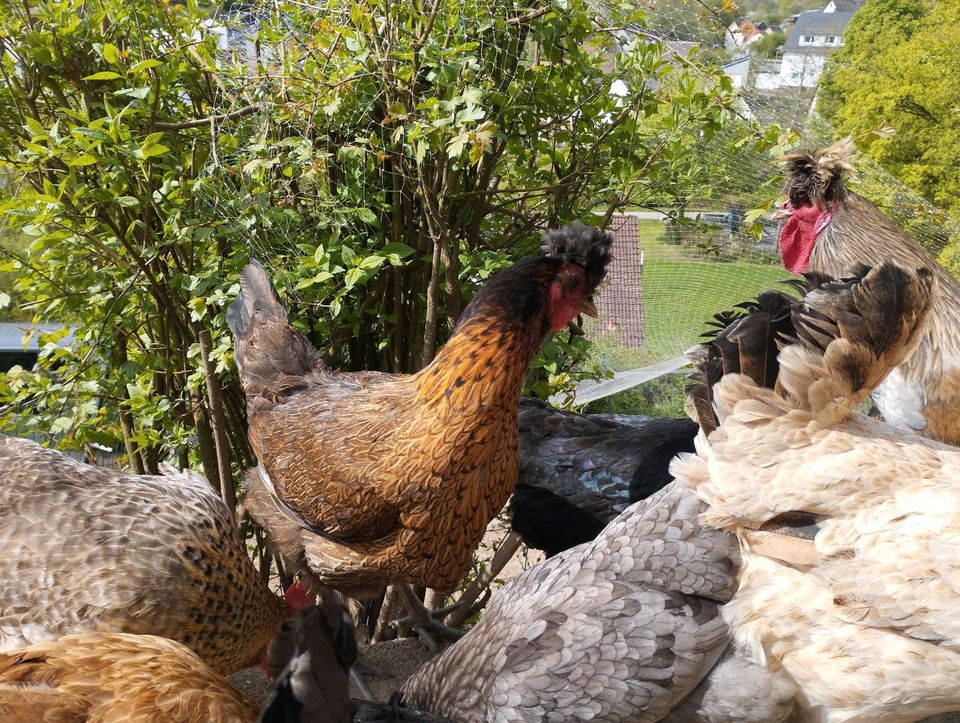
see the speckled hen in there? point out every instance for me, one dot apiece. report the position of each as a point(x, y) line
point(87, 548)
point(373, 478)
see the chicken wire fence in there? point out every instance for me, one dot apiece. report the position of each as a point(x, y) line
point(676, 261)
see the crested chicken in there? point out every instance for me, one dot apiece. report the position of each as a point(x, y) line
point(850, 527)
point(372, 478)
point(90, 549)
point(579, 471)
point(831, 228)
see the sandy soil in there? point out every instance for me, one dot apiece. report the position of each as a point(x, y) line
point(395, 660)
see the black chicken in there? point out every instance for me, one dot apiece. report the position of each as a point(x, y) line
point(579, 471)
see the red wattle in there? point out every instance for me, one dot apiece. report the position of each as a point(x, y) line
point(799, 234)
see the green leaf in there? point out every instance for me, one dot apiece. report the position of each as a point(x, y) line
point(352, 277)
point(348, 255)
point(104, 75)
point(372, 262)
point(459, 142)
point(4, 300)
point(85, 159)
point(61, 425)
point(399, 249)
point(149, 151)
point(366, 215)
point(128, 201)
point(138, 93)
point(397, 110)
point(110, 53)
point(144, 65)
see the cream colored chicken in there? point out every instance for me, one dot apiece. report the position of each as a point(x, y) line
point(850, 528)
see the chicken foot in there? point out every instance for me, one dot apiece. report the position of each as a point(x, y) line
point(423, 621)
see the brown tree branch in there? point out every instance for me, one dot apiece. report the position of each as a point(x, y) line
point(198, 122)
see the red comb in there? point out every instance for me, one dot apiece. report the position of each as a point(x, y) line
point(299, 595)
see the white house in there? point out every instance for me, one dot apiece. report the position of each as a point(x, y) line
point(815, 35)
point(743, 33)
point(738, 69)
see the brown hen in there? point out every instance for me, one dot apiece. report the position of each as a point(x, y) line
point(91, 549)
point(374, 478)
point(830, 230)
point(113, 677)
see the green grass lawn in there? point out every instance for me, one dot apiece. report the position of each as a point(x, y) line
point(679, 297)
point(681, 292)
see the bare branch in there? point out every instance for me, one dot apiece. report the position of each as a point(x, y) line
point(197, 122)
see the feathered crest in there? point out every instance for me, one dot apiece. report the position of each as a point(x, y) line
point(817, 179)
point(582, 245)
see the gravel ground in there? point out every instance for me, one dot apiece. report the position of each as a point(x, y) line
point(397, 660)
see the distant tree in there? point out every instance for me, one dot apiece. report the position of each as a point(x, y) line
point(769, 45)
point(894, 86)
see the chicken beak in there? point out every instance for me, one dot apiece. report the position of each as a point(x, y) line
point(785, 211)
point(588, 307)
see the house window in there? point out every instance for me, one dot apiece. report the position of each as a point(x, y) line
point(831, 40)
point(808, 40)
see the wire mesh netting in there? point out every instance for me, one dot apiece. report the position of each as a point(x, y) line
point(680, 256)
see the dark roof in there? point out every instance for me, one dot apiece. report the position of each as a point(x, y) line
point(817, 22)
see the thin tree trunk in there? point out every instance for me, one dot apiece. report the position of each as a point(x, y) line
point(433, 599)
point(387, 609)
point(205, 440)
point(126, 419)
point(505, 552)
point(433, 304)
point(219, 423)
point(451, 286)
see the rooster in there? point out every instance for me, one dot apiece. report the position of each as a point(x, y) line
point(87, 548)
point(579, 471)
point(850, 527)
point(372, 478)
point(831, 228)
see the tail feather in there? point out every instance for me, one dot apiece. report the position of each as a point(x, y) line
point(271, 355)
point(860, 328)
point(817, 179)
point(835, 345)
point(747, 343)
point(707, 371)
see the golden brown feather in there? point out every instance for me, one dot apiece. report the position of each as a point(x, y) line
point(373, 478)
point(113, 677)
